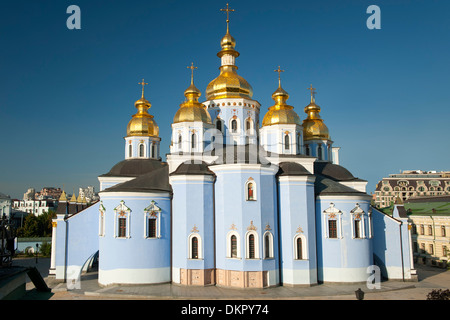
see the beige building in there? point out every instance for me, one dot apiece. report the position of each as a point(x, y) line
point(411, 184)
point(430, 218)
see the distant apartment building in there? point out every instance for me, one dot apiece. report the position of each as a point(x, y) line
point(36, 207)
point(411, 184)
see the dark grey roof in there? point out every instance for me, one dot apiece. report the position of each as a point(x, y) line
point(249, 153)
point(402, 212)
point(324, 185)
point(333, 171)
point(193, 168)
point(134, 167)
point(157, 180)
point(292, 169)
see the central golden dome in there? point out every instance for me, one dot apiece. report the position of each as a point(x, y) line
point(281, 113)
point(142, 123)
point(228, 84)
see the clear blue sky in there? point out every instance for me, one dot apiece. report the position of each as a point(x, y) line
point(66, 96)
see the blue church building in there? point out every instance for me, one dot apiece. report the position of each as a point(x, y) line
point(236, 203)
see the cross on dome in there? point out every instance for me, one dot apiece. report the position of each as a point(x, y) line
point(143, 84)
point(313, 92)
point(279, 75)
point(192, 72)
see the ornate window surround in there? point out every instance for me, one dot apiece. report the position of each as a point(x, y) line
point(152, 212)
point(119, 212)
point(357, 215)
point(199, 249)
point(332, 213)
point(238, 246)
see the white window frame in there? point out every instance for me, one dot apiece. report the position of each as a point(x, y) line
point(254, 190)
point(200, 246)
point(332, 211)
point(122, 208)
point(247, 245)
point(270, 236)
point(238, 244)
point(354, 213)
point(304, 247)
point(152, 212)
point(102, 220)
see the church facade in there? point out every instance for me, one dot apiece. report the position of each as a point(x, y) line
point(237, 203)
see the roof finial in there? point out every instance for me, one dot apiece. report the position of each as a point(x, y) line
point(228, 10)
point(143, 84)
point(313, 93)
point(192, 71)
point(279, 75)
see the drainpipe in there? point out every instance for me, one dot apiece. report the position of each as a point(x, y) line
point(401, 251)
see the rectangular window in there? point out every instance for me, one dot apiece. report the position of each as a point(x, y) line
point(152, 228)
point(430, 230)
point(332, 229)
point(122, 227)
point(443, 233)
point(357, 229)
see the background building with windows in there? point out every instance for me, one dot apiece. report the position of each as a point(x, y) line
point(409, 184)
point(235, 204)
point(430, 219)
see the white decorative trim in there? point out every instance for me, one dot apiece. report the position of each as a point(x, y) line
point(102, 220)
point(247, 244)
point(358, 213)
point(304, 247)
point(238, 244)
point(123, 210)
point(270, 235)
point(200, 246)
point(152, 212)
point(332, 213)
point(254, 188)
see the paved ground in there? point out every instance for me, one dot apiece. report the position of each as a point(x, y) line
point(429, 278)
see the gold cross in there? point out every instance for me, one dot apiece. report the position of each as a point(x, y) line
point(227, 10)
point(143, 84)
point(192, 72)
point(279, 75)
point(313, 91)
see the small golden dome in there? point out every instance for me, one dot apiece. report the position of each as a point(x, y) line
point(313, 126)
point(191, 110)
point(142, 123)
point(281, 113)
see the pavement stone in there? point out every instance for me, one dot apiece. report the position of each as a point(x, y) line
point(429, 278)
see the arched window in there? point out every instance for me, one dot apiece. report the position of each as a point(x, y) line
point(152, 226)
point(130, 151)
point(286, 142)
point(233, 245)
point(250, 190)
point(299, 251)
point(357, 215)
point(319, 152)
point(153, 150)
point(141, 150)
point(194, 246)
point(268, 245)
point(180, 140)
point(193, 141)
point(251, 246)
point(307, 151)
point(234, 126)
point(219, 125)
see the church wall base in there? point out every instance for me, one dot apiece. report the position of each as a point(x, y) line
point(134, 276)
point(243, 279)
point(197, 277)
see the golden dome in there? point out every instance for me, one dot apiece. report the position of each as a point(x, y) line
point(313, 126)
point(281, 113)
point(142, 123)
point(228, 84)
point(191, 110)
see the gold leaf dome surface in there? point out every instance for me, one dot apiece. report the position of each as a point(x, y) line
point(191, 110)
point(313, 126)
point(281, 113)
point(142, 123)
